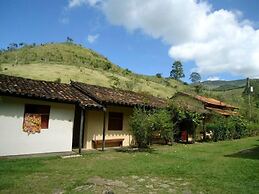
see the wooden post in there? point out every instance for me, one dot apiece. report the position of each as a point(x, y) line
point(203, 128)
point(82, 115)
point(104, 128)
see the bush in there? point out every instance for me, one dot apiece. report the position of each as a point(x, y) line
point(228, 128)
point(162, 123)
point(145, 123)
point(158, 75)
point(140, 127)
point(126, 72)
point(107, 66)
point(253, 129)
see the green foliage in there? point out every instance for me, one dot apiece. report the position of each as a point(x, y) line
point(107, 66)
point(127, 72)
point(177, 71)
point(145, 123)
point(252, 129)
point(158, 75)
point(185, 115)
point(195, 77)
point(227, 128)
point(140, 127)
point(198, 88)
point(69, 40)
point(162, 123)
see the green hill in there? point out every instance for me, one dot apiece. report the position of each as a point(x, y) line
point(67, 61)
point(224, 85)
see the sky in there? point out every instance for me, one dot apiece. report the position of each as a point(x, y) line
point(217, 38)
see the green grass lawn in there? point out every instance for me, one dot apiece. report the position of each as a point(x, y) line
point(222, 167)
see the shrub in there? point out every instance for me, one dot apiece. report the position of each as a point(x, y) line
point(162, 123)
point(252, 129)
point(145, 123)
point(158, 75)
point(107, 66)
point(140, 127)
point(227, 128)
point(126, 72)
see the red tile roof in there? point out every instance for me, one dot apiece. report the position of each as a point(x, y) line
point(84, 94)
point(209, 101)
point(222, 111)
point(22, 87)
point(106, 95)
point(212, 104)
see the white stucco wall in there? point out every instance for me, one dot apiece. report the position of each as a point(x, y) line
point(13, 141)
point(94, 126)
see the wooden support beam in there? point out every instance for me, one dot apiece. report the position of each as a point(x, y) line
point(82, 118)
point(104, 128)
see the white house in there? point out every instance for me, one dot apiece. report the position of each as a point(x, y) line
point(43, 117)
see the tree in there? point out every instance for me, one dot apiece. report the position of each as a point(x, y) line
point(177, 70)
point(159, 75)
point(69, 40)
point(195, 77)
point(12, 46)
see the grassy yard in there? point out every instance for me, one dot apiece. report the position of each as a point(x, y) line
point(223, 167)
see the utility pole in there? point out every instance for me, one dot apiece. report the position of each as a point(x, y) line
point(250, 90)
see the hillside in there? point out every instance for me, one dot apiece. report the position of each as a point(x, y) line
point(224, 85)
point(67, 61)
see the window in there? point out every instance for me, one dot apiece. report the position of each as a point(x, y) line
point(36, 117)
point(115, 121)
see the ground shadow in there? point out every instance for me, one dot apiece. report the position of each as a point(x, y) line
point(134, 150)
point(251, 153)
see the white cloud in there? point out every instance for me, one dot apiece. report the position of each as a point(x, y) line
point(78, 3)
point(92, 38)
point(213, 78)
point(216, 40)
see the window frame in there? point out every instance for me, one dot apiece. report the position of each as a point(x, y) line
point(39, 109)
point(112, 118)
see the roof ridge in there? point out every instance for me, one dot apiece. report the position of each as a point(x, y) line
point(119, 89)
point(30, 79)
point(77, 87)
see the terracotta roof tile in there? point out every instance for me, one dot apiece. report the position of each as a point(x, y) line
point(106, 95)
point(22, 87)
point(222, 111)
point(210, 101)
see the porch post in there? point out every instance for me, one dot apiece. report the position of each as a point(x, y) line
point(104, 127)
point(82, 115)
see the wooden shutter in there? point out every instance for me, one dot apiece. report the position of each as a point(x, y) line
point(115, 121)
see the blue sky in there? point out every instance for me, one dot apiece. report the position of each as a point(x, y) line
point(136, 45)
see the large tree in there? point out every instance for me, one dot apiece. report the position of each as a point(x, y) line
point(177, 70)
point(195, 77)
